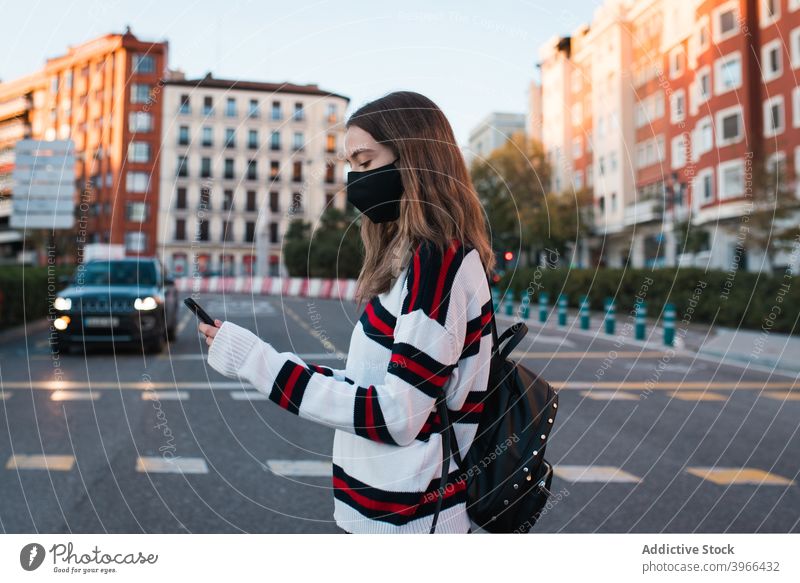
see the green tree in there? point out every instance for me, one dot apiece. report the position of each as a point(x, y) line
point(511, 184)
point(333, 249)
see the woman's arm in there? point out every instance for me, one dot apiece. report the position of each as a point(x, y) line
point(429, 337)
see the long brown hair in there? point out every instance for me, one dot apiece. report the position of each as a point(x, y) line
point(439, 202)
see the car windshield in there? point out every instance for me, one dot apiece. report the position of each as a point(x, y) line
point(116, 273)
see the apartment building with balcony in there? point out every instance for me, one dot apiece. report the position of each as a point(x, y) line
point(239, 161)
point(103, 95)
point(704, 88)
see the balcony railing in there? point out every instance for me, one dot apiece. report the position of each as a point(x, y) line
point(643, 211)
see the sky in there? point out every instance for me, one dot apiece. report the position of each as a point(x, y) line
point(470, 57)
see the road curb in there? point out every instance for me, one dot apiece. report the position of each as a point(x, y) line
point(17, 332)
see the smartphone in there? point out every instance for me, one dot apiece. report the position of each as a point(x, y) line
point(198, 311)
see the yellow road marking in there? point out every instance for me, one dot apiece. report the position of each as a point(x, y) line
point(698, 396)
point(594, 474)
point(55, 463)
point(783, 395)
point(725, 476)
point(610, 395)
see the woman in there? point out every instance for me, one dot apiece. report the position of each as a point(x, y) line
point(425, 327)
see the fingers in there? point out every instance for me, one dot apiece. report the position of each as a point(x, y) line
point(217, 323)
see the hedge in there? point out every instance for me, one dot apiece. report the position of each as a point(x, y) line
point(20, 303)
point(733, 299)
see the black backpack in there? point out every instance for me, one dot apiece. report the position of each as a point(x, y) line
point(507, 478)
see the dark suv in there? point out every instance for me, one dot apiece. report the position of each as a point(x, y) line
point(117, 301)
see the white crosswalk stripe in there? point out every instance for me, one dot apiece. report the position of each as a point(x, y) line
point(170, 465)
point(298, 468)
point(74, 395)
point(248, 396)
point(53, 463)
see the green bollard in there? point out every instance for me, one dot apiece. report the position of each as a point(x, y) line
point(584, 312)
point(562, 310)
point(510, 302)
point(640, 323)
point(611, 317)
point(525, 306)
point(669, 324)
point(543, 299)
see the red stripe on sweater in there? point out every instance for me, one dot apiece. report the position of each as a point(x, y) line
point(373, 434)
point(415, 367)
point(448, 259)
point(394, 507)
point(287, 390)
point(471, 408)
point(377, 322)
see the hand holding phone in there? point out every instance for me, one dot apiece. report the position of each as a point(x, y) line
point(199, 312)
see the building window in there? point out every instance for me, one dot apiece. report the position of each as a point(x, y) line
point(274, 207)
point(331, 114)
point(140, 121)
point(703, 139)
point(771, 60)
point(703, 84)
point(297, 114)
point(330, 172)
point(677, 62)
point(678, 157)
point(205, 198)
point(227, 230)
point(207, 139)
point(577, 147)
point(252, 108)
point(276, 110)
point(137, 181)
point(180, 198)
point(250, 205)
point(297, 171)
point(274, 170)
point(770, 12)
point(230, 107)
point(275, 141)
point(705, 187)
point(205, 167)
point(227, 199)
point(725, 18)
point(773, 116)
point(249, 232)
point(144, 64)
point(136, 212)
point(208, 105)
point(139, 152)
point(677, 106)
point(182, 167)
point(796, 107)
point(136, 241)
point(183, 135)
point(273, 232)
point(729, 126)
point(731, 179)
point(252, 139)
point(229, 170)
point(297, 142)
point(230, 138)
point(252, 170)
point(728, 73)
point(185, 106)
point(330, 144)
point(140, 93)
point(202, 230)
point(180, 230)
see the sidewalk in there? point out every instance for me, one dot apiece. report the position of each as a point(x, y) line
point(755, 347)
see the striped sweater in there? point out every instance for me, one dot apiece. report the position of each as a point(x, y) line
point(431, 332)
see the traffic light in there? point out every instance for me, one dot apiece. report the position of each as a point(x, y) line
point(508, 256)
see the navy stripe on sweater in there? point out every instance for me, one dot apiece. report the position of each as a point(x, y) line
point(397, 508)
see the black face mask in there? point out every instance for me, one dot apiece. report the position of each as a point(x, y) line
point(376, 192)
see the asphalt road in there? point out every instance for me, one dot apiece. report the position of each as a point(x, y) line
point(118, 441)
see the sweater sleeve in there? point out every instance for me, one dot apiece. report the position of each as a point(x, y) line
point(428, 340)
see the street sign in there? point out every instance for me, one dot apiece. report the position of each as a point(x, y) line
point(43, 185)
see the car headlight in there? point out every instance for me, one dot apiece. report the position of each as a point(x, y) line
point(148, 303)
point(62, 303)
